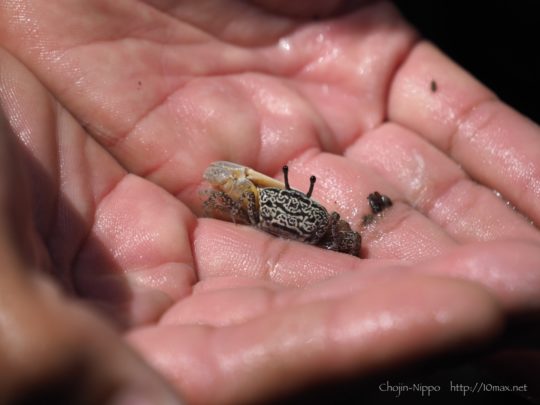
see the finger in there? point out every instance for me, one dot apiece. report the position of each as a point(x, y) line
point(114, 239)
point(494, 144)
point(357, 335)
point(222, 249)
point(54, 350)
point(436, 186)
point(65, 170)
point(509, 269)
point(51, 348)
point(137, 260)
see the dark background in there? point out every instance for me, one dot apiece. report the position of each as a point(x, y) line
point(497, 41)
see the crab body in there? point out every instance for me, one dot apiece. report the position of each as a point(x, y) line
point(291, 214)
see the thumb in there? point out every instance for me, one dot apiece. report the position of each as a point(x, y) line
point(52, 348)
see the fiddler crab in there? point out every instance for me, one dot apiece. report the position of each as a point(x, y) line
point(246, 196)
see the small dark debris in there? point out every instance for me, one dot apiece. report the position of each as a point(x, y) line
point(379, 202)
point(433, 86)
point(368, 219)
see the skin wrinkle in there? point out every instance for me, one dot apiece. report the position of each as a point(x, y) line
point(150, 171)
point(123, 138)
point(527, 178)
point(243, 258)
point(190, 35)
point(467, 128)
point(402, 58)
point(268, 133)
point(89, 230)
point(273, 267)
point(437, 201)
point(333, 288)
point(418, 183)
point(448, 116)
point(220, 34)
point(58, 222)
point(191, 231)
point(389, 81)
point(119, 139)
point(12, 106)
point(400, 215)
point(222, 143)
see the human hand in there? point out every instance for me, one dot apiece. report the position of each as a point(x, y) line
point(226, 312)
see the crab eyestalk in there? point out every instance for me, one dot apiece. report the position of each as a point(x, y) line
point(286, 176)
point(312, 180)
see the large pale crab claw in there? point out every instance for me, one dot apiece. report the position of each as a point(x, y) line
point(236, 180)
point(222, 172)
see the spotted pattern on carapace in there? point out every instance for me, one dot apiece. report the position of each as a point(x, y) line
point(289, 213)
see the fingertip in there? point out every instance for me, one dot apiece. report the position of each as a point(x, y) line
point(508, 269)
point(415, 317)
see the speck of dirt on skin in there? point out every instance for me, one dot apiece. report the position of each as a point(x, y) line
point(368, 219)
point(433, 86)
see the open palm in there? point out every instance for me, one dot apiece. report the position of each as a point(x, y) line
point(120, 106)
